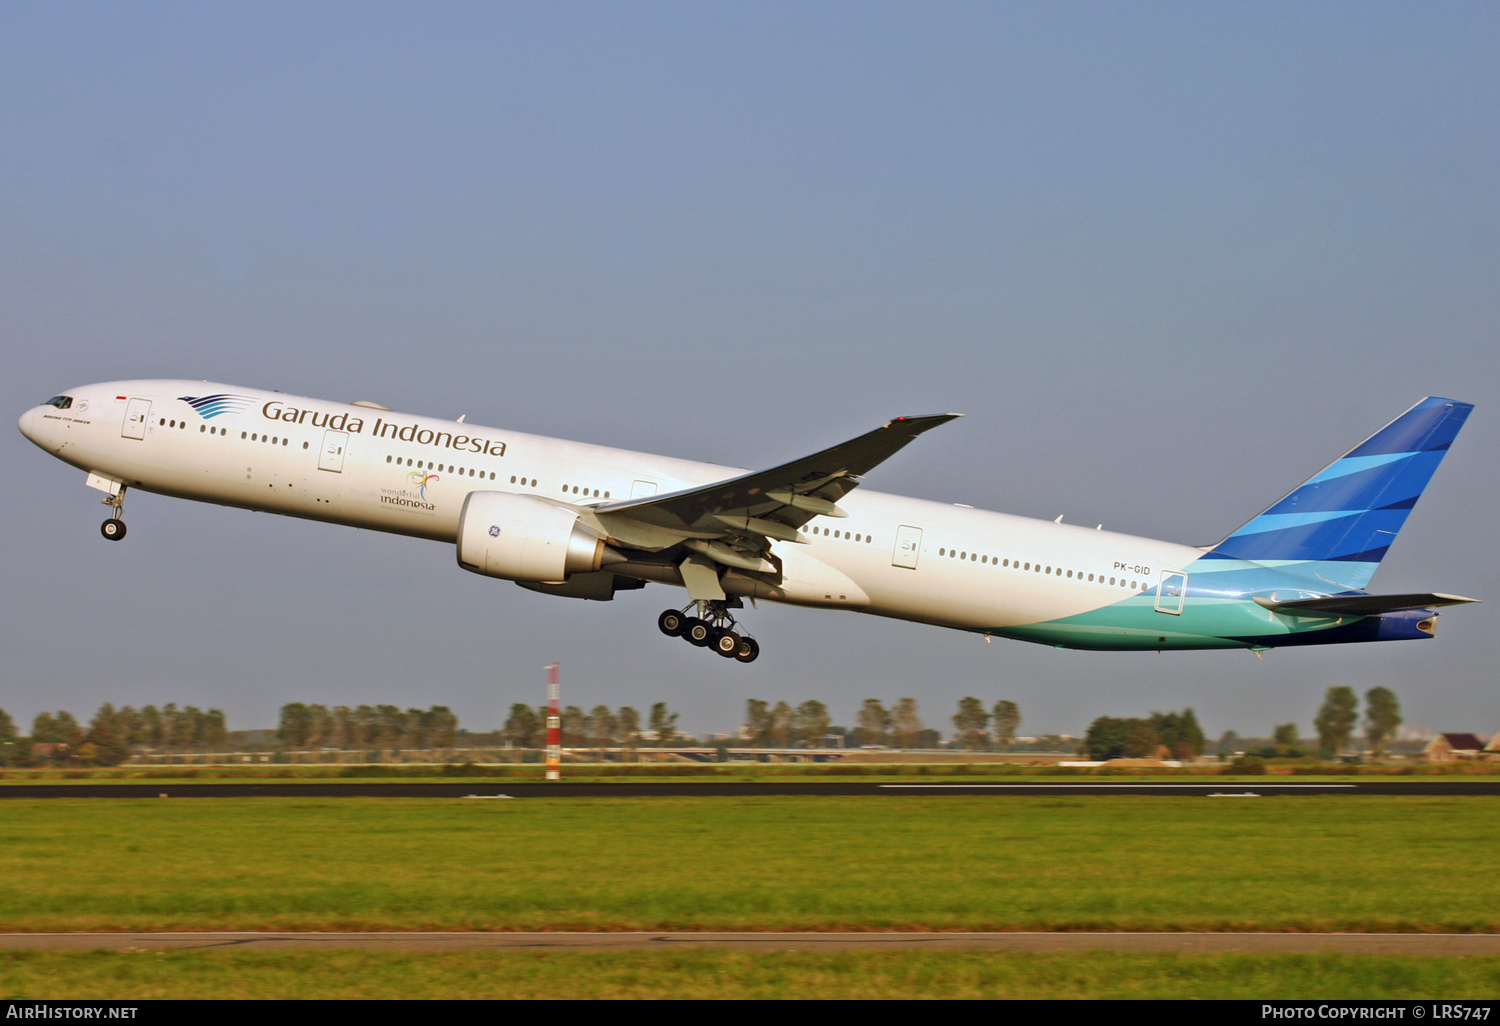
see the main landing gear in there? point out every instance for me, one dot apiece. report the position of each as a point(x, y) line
point(711, 627)
point(114, 528)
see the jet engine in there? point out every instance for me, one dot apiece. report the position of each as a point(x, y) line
point(523, 538)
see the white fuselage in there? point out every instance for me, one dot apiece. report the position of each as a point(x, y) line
point(387, 471)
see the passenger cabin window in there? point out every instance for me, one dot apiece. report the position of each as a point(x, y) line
point(62, 402)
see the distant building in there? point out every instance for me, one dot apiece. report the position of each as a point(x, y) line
point(1454, 748)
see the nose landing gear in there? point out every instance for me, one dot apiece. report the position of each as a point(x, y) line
point(713, 627)
point(114, 528)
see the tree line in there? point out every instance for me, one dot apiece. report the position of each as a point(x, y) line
point(1180, 736)
point(600, 727)
point(766, 725)
point(58, 739)
point(1335, 725)
point(113, 733)
point(1177, 735)
point(304, 725)
point(899, 725)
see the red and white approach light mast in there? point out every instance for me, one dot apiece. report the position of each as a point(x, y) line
point(554, 726)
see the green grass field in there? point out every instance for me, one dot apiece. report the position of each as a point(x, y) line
point(740, 772)
point(1367, 864)
point(708, 973)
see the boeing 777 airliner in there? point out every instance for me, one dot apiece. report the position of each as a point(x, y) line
point(587, 521)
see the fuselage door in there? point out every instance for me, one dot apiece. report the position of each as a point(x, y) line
point(332, 456)
point(908, 547)
point(1171, 593)
point(642, 489)
point(137, 412)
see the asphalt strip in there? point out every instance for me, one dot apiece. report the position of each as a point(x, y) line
point(1216, 787)
point(1446, 944)
point(736, 789)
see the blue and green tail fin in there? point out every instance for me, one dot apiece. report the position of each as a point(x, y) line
point(1339, 524)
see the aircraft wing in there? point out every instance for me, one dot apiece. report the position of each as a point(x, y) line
point(763, 504)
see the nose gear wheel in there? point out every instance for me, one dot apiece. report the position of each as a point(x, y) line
point(711, 625)
point(114, 528)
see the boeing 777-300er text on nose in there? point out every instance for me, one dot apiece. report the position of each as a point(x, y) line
point(588, 521)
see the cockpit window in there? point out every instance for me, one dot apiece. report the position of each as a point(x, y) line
point(62, 402)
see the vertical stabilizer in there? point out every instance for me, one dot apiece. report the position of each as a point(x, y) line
point(1338, 525)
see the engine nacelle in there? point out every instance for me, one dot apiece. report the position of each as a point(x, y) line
point(522, 538)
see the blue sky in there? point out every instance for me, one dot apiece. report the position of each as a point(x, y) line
point(1170, 259)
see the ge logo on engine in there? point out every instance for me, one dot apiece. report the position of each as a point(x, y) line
point(494, 530)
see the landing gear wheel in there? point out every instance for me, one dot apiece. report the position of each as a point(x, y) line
point(710, 624)
point(113, 529)
point(726, 643)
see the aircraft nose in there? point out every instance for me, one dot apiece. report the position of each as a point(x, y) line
point(26, 419)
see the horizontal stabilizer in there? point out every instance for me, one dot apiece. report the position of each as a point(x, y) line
point(1362, 605)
